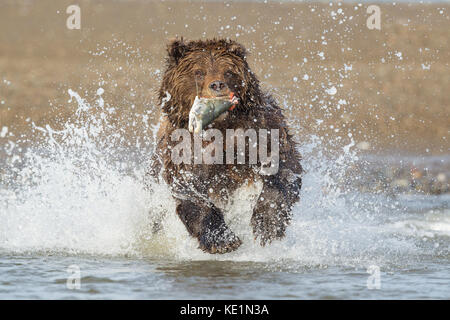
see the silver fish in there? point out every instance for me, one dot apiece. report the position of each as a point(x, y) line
point(206, 110)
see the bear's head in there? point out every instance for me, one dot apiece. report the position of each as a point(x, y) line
point(206, 68)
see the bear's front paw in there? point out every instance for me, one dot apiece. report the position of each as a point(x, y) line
point(221, 240)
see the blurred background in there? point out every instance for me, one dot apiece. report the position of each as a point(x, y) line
point(384, 92)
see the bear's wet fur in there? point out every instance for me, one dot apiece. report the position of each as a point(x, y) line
point(210, 68)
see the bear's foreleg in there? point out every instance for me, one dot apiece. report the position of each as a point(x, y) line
point(205, 222)
point(272, 213)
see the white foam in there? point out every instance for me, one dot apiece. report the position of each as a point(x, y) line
point(430, 224)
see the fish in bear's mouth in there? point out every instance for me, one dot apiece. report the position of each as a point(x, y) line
point(205, 110)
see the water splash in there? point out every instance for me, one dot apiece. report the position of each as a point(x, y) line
point(80, 191)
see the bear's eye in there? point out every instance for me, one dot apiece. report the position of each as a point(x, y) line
point(198, 74)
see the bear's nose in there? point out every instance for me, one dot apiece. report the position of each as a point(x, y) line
point(217, 86)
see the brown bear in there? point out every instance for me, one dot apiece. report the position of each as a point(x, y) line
point(216, 68)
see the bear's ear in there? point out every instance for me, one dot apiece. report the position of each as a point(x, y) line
point(238, 49)
point(176, 50)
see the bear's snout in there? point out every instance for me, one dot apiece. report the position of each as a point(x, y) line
point(218, 88)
